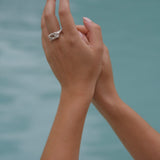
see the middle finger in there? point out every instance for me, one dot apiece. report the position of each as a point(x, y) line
point(50, 17)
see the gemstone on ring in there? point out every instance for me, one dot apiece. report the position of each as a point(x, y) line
point(54, 35)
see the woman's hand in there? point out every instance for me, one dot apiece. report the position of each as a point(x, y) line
point(140, 139)
point(105, 87)
point(76, 64)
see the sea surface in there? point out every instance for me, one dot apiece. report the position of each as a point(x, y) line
point(29, 92)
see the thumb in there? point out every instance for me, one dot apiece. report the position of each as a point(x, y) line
point(94, 34)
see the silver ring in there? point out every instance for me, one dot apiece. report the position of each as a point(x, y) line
point(54, 35)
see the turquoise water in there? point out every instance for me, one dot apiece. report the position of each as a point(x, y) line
point(29, 92)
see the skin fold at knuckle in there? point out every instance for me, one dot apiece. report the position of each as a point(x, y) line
point(42, 21)
point(99, 49)
point(106, 49)
point(42, 25)
point(47, 14)
point(71, 41)
point(97, 27)
point(63, 11)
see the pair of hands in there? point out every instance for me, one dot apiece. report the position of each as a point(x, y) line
point(81, 63)
point(79, 58)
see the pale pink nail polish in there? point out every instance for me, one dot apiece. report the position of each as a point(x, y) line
point(87, 19)
point(81, 35)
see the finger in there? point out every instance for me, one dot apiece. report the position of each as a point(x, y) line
point(50, 17)
point(82, 29)
point(66, 18)
point(83, 37)
point(44, 44)
point(94, 34)
point(45, 41)
point(44, 28)
point(44, 34)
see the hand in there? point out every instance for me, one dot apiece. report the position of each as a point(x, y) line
point(139, 138)
point(105, 84)
point(76, 64)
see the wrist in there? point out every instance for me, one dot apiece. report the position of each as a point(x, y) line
point(77, 96)
point(74, 105)
point(106, 100)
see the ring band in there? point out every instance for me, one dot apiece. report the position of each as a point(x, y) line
point(54, 35)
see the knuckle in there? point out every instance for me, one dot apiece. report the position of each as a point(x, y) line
point(98, 27)
point(42, 24)
point(99, 49)
point(106, 49)
point(71, 42)
point(63, 12)
point(47, 15)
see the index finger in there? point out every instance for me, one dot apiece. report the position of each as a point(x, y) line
point(66, 18)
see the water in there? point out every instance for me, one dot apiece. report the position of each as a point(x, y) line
point(29, 92)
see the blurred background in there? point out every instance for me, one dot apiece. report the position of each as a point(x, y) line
point(29, 92)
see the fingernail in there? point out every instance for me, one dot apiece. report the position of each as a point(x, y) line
point(81, 35)
point(87, 19)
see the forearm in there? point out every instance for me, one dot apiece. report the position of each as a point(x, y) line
point(65, 136)
point(140, 139)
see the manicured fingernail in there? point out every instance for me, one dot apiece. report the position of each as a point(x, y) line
point(87, 19)
point(81, 35)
